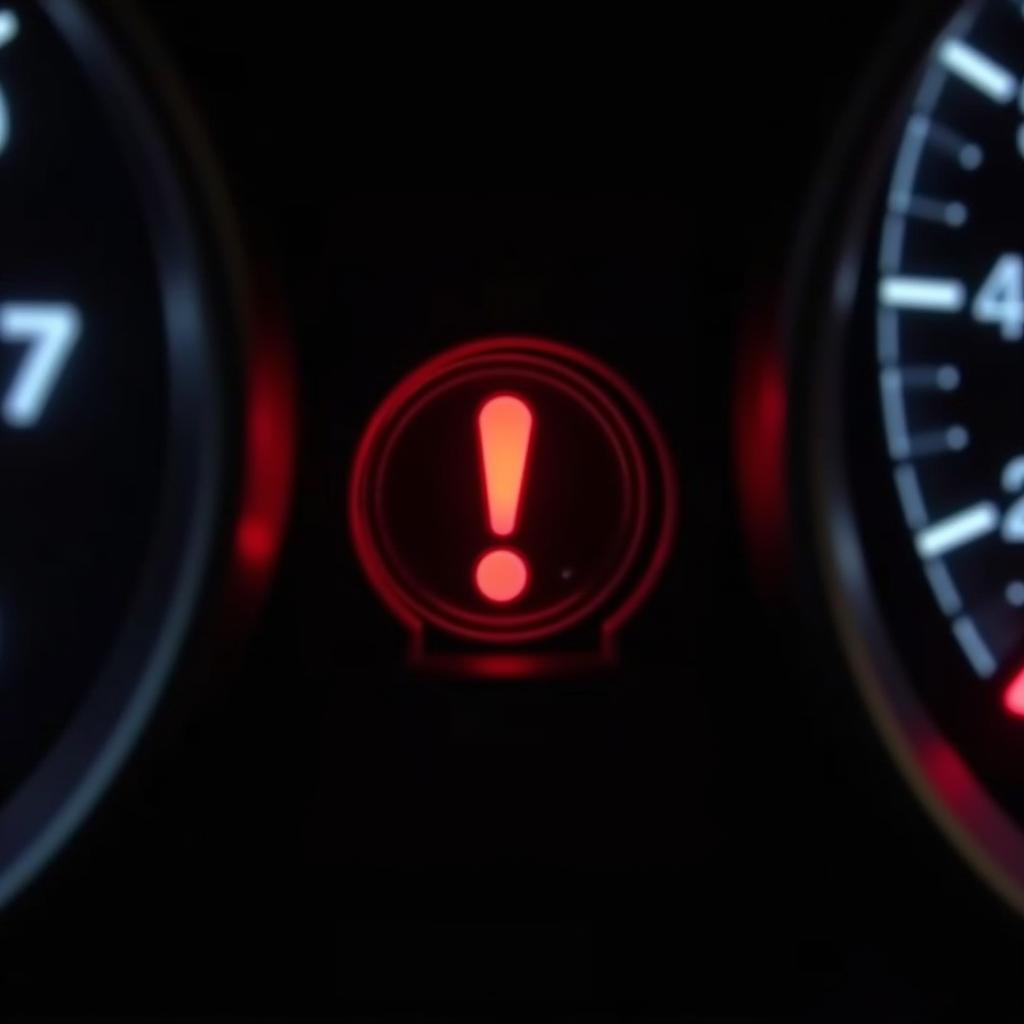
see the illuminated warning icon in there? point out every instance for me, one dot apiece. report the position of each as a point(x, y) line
point(513, 495)
point(506, 427)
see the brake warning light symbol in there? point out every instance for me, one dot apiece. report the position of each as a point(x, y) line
point(506, 427)
point(578, 501)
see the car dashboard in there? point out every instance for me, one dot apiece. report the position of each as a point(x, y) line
point(435, 585)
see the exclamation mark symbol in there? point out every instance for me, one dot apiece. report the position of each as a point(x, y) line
point(506, 431)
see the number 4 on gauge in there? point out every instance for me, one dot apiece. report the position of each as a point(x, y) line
point(1001, 299)
point(50, 331)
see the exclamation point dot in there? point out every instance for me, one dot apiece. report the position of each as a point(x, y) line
point(502, 576)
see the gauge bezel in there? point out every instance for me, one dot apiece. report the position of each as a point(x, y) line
point(207, 488)
point(827, 283)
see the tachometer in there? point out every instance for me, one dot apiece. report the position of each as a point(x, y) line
point(915, 427)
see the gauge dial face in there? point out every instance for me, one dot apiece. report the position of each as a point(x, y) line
point(109, 437)
point(925, 389)
point(950, 328)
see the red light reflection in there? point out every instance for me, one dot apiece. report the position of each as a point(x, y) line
point(760, 420)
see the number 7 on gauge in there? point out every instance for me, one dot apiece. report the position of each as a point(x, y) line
point(51, 332)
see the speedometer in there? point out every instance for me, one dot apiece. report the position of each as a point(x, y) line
point(119, 427)
point(913, 386)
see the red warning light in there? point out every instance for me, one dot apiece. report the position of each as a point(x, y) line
point(506, 428)
point(578, 505)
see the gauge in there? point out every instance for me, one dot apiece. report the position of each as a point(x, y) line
point(117, 433)
point(914, 404)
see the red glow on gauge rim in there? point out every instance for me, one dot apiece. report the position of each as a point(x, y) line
point(1013, 698)
point(760, 418)
point(269, 455)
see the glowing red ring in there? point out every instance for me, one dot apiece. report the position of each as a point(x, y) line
point(555, 364)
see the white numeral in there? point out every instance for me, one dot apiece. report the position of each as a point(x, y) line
point(1001, 299)
point(51, 332)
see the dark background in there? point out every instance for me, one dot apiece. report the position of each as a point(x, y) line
point(711, 831)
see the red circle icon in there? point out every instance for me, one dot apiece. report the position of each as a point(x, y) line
point(510, 492)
